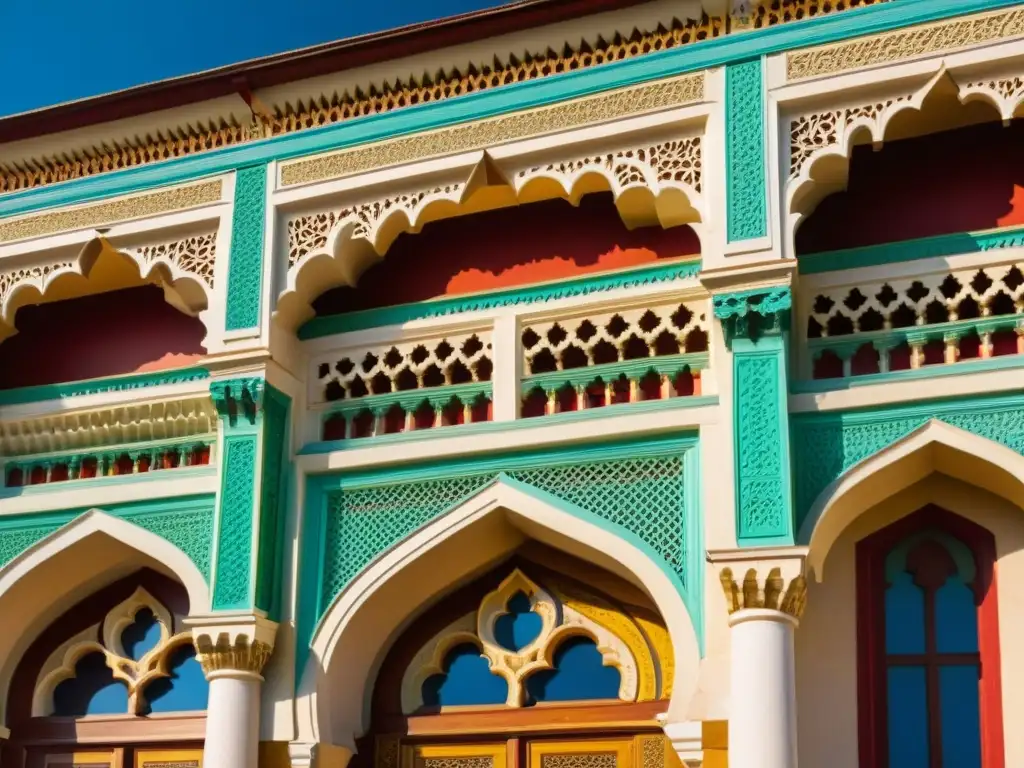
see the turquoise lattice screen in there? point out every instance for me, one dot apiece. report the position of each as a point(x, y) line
point(643, 495)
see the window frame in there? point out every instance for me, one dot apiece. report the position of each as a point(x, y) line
point(872, 703)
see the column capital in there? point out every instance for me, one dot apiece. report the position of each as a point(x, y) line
point(232, 645)
point(769, 578)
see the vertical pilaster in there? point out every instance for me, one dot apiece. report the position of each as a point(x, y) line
point(245, 270)
point(755, 323)
point(247, 562)
point(745, 157)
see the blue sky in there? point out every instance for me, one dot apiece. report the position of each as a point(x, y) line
point(52, 51)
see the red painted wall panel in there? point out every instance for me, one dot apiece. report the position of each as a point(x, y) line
point(505, 248)
point(967, 179)
point(104, 335)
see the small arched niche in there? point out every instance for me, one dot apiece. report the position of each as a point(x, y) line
point(508, 248)
point(541, 638)
point(117, 663)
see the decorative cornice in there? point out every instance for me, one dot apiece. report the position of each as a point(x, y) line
point(123, 209)
point(903, 44)
point(238, 397)
point(107, 425)
point(485, 133)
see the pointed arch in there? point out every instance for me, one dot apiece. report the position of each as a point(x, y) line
point(71, 563)
point(349, 643)
point(933, 447)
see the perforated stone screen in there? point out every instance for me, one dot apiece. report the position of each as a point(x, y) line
point(643, 495)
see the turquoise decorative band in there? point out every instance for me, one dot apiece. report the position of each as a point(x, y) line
point(270, 553)
point(911, 250)
point(97, 386)
point(746, 189)
point(245, 272)
point(580, 286)
point(232, 586)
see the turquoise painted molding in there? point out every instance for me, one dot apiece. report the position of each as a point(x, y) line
point(333, 556)
point(519, 96)
point(631, 369)
point(911, 250)
point(184, 521)
point(764, 507)
point(578, 286)
point(126, 383)
point(245, 269)
point(1002, 363)
point(745, 157)
point(236, 398)
point(826, 445)
point(696, 565)
point(490, 427)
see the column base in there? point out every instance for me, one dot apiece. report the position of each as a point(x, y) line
point(304, 754)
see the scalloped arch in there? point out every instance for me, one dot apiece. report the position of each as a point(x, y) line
point(187, 291)
point(822, 162)
point(659, 184)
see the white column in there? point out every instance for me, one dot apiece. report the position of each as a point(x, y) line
point(765, 593)
point(233, 649)
point(507, 354)
point(233, 719)
point(762, 695)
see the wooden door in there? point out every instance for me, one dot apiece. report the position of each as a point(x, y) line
point(580, 753)
point(487, 755)
point(167, 758)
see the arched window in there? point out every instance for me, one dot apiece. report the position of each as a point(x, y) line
point(928, 646)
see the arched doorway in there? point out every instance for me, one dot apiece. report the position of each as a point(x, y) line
point(97, 668)
point(112, 683)
point(546, 661)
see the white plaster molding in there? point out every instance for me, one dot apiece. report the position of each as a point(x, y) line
point(622, 425)
point(166, 484)
point(336, 714)
point(975, 460)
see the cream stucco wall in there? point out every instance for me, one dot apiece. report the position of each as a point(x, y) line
point(826, 640)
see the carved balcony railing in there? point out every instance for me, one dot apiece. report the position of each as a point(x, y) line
point(970, 312)
point(139, 458)
point(508, 365)
point(406, 385)
point(588, 361)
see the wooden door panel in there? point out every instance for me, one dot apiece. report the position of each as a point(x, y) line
point(168, 758)
point(493, 755)
point(581, 753)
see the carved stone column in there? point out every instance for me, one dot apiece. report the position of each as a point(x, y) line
point(765, 593)
point(233, 649)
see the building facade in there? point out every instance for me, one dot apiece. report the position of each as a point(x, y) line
point(572, 385)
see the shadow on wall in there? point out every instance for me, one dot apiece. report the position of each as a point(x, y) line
point(505, 248)
point(109, 334)
point(956, 181)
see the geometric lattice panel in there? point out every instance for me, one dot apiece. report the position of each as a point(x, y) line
point(827, 445)
point(643, 495)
